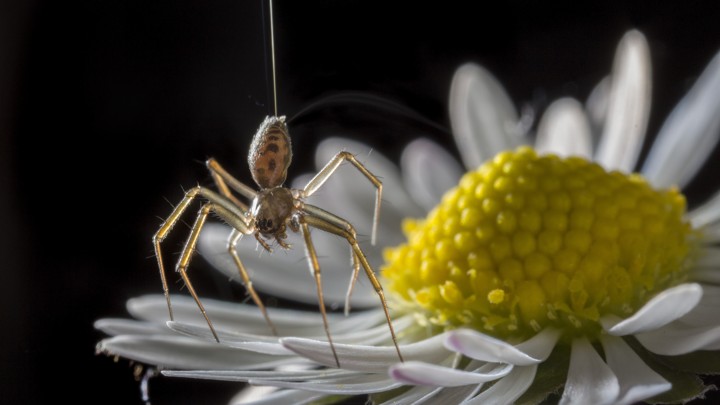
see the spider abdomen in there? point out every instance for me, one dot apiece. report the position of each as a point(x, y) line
point(270, 153)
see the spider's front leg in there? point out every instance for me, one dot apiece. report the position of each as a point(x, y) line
point(225, 182)
point(218, 204)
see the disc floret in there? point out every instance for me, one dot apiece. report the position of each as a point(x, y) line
point(527, 241)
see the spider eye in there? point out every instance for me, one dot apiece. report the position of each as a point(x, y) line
point(264, 224)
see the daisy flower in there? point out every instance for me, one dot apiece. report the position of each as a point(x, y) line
point(547, 272)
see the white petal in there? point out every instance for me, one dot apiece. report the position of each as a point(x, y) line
point(662, 309)
point(689, 134)
point(628, 105)
point(231, 317)
point(368, 358)
point(274, 396)
point(291, 374)
point(330, 381)
point(487, 348)
point(253, 343)
point(285, 273)
point(706, 213)
point(114, 327)
point(414, 395)
point(482, 115)
point(429, 171)
point(590, 380)
point(709, 257)
point(597, 108)
point(451, 395)
point(541, 345)
point(508, 389)
point(359, 385)
point(186, 353)
point(419, 373)
point(705, 313)
point(710, 275)
point(679, 338)
point(564, 130)
point(638, 381)
point(711, 233)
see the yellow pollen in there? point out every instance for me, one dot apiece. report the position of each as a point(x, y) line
point(527, 241)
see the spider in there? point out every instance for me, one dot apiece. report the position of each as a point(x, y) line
point(274, 209)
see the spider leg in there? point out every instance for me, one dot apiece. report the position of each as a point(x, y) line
point(327, 226)
point(232, 248)
point(322, 176)
point(315, 268)
point(343, 224)
point(224, 208)
point(222, 179)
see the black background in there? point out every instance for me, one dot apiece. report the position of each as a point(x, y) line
point(110, 107)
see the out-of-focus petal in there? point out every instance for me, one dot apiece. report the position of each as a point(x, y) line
point(709, 258)
point(564, 130)
point(285, 273)
point(597, 108)
point(707, 213)
point(638, 381)
point(483, 117)
point(350, 195)
point(628, 105)
point(710, 275)
point(429, 171)
point(590, 380)
point(662, 309)
point(689, 134)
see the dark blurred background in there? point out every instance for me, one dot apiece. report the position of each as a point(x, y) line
point(108, 109)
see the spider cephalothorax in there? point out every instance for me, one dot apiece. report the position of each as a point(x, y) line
point(273, 209)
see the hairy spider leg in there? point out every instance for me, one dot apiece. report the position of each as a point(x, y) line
point(315, 270)
point(342, 223)
point(235, 235)
point(222, 180)
point(327, 226)
point(222, 207)
point(322, 176)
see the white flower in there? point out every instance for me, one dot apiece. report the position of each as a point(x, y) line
point(444, 361)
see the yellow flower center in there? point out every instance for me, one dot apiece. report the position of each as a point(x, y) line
point(530, 241)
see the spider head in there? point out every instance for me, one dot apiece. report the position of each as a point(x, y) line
point(272, 208)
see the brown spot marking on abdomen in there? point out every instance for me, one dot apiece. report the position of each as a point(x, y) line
point(270, 154)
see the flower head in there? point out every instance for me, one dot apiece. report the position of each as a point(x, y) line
point(545, 271)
